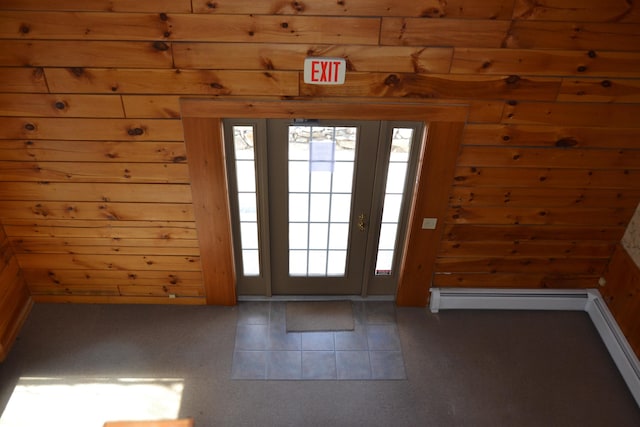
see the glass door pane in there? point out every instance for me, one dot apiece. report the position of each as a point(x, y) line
point(245, 151)
point(245, 165)
point(401, 142)
point(321, 177)
point(320, 180)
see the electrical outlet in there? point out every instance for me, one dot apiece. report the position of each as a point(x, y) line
point(429, 223)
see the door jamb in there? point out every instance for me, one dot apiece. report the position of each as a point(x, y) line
point(202, 122)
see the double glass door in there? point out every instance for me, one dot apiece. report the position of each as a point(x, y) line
point(319, 207)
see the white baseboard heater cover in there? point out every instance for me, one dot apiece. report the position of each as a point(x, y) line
point(589, 300)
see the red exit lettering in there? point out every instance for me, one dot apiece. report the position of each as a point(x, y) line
point(325, 71)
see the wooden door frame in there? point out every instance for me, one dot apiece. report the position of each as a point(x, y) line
point(202, 121)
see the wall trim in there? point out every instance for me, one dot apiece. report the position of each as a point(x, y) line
point(588, 300)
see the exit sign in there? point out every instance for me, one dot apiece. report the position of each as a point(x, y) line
point(324, 71)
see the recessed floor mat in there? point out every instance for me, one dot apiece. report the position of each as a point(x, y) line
point(310, 316)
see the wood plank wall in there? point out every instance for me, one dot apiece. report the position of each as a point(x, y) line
point(15, 301)
point(95, 194)
point(622, 294)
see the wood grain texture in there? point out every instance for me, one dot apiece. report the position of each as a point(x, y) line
point(101, 129)
point(203, 138)
point(100, 5)
point(93, 92)
point(112, 229)
point(535, 197)
point(443, 32)
point(548, 178)
point(515, 280)
point(98, 192)
point(412, 85)
point(574, 114)
point(271, 56)
point(545, 62)
point(599, 90)
point(15, 300)
point(333, 109)
point(489, 9)
point(622, 294)
point(94, 172)
point(572, 35)
point(550, 136)
point(577, 10)
point(21, 80)
point(556, 157)
point(93, 151)
point(37, 105)
point(437, 164)
point(140, 81)
point(72, 53)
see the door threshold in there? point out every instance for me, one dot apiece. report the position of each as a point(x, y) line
point(316, 298)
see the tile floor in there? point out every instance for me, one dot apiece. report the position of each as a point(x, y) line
point(264, 350)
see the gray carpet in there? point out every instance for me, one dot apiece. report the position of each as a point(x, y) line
point(463, 369)
point(308, 316)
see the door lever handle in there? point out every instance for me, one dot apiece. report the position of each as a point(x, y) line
point(362, 225)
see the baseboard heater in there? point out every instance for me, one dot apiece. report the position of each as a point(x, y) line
point(589, 300)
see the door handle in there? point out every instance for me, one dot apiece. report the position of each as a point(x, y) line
point(362, 225)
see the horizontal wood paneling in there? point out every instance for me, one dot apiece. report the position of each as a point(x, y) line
point(15, 301)
point(577, 10)
point(260, 56)
point(515, 280)
point(97, 278)
point(622, 294)
point(101, 5)
point(438, 86)
point(92, 151)
point(599, 90)
point(573, 114)
point(447, 32)
point(195, 27)
point(537, 248)
point(187, 82)
point(104, 210)
point(100, 245)
point(83, 26)
point(100, 129)
point(548, 178)
point(572, 35)
point(556, 216)
point(151, 106)
point(109, 262)
point(18, 80)
point(482, 232)
point(551, 136)
point(114, 299)
point(535, 197)
point(574, 265)
point(93, 163)
point(116, 230)
point(94, 172)
point(550, 158)
point(76, 54)
point(547, 62)
point(95, 192)
point(36, 105)
point(488, 9)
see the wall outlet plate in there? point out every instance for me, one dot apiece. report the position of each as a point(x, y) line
point(429, 223)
